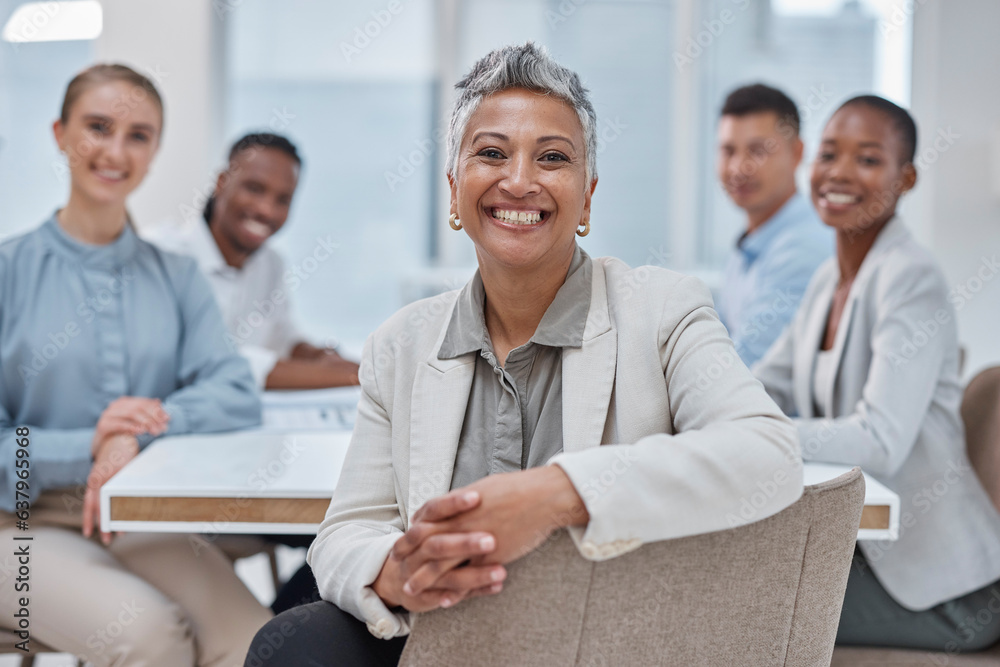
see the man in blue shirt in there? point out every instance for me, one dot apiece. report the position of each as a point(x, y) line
point(784, 241)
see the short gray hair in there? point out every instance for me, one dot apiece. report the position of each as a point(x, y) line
point(525, 66)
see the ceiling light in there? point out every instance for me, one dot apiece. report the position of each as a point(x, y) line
point(54, 21)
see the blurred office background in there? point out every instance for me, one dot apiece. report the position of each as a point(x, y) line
point(363, 88)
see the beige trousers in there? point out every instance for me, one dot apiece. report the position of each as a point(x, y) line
point(150, 599)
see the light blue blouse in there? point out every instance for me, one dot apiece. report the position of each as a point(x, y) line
point(767, 275)
point(82, 325)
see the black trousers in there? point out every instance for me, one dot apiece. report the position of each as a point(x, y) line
point(871, 617)
point(321, 635)
point(301, 588)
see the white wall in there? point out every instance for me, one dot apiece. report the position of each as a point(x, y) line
point(179, 44)
point(955, 209)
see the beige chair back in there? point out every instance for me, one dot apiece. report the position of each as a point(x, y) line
point(768, 593)
point(981, 414)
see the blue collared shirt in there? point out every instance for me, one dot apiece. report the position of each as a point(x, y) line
point(82, 325)
point(767, 275)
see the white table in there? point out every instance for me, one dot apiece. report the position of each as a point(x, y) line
point(311, 410)
point(880, 516)
point(270, 482)
point(245, 482)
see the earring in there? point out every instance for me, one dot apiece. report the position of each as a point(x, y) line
point(585, 230)
point(454, 222)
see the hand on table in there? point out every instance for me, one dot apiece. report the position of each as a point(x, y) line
point(113, 452)
point(133, 415)
point(345, 372)
point(519, 510)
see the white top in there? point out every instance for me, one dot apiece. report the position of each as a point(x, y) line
point(254, 299)
point(823, 382)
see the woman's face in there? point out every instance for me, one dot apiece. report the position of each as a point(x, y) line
point(858, 175)
point(520, 186)
point(110, 138)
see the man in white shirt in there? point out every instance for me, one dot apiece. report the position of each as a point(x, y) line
point(250, 204)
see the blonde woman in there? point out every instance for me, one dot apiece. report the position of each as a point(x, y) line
point(105, 344)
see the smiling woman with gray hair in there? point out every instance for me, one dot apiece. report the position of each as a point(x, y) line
point(553, 391)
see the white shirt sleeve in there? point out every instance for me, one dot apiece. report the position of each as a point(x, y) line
point(283, 334)
point(262, 361)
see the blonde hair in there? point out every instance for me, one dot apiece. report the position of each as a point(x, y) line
point(104, 73)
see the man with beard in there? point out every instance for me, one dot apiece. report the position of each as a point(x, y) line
point(250, 204)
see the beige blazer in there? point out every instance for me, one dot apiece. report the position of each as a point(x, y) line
point(666, 433)
point(894, 400)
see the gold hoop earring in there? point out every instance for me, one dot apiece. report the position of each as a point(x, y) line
point(585, 230)
point(454, 222)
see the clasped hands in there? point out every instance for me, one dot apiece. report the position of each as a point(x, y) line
point(457, 544)
point(114, 445)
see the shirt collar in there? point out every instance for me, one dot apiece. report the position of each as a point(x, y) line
point(562, 325)
point(205, 249)
point(755, 243)
point(108, 256)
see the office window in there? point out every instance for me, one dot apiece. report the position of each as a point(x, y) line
point(622, 52)
point(363, 89)
point(33, 175)
point(820, 52)
point(352, 85)
point(357, 89)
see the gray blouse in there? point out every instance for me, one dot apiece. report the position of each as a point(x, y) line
point(513, 420)
point(81, 325)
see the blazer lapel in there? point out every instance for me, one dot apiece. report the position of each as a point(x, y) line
point(437, 410)
point(588, 373)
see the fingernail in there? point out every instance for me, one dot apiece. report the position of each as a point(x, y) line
point(496, 588)
point(497, 575)
point(470, 497)
point(407, 588)
point(446, 602)
point(487, 543)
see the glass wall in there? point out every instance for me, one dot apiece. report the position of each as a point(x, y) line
point(621, 49)
point(33, 77)
point(352, 85)
point(361, 88)
point(820, 52)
